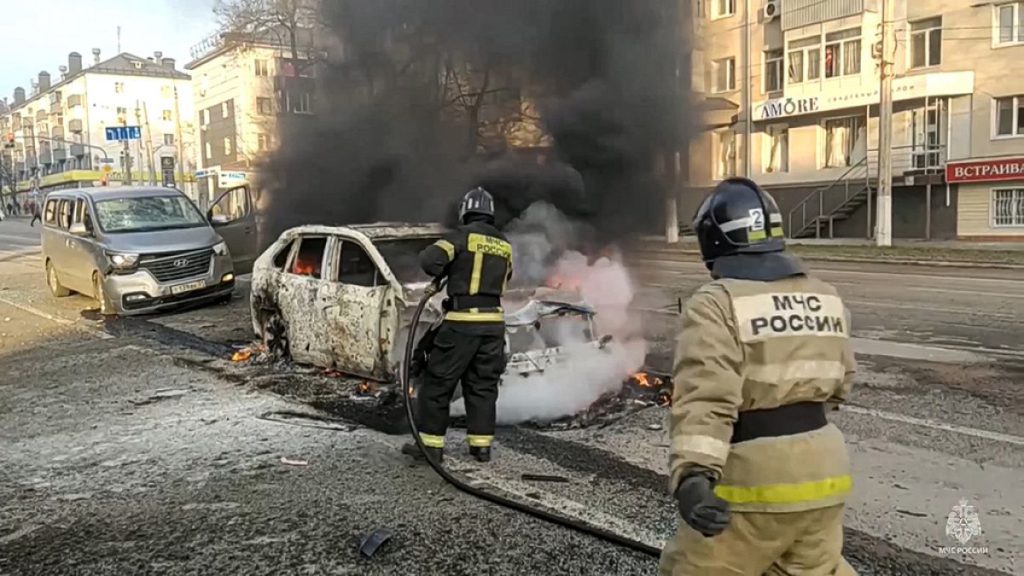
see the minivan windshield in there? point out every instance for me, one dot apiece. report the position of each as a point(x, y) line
point(148, 213)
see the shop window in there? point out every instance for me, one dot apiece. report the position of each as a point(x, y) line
point(310, 257)
point(776, 149)
point(845, 141)
point(1008, 207)
point(725, 154)
point(926, 43)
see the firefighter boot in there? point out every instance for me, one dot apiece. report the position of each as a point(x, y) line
point(481, 453)
point(435, 454)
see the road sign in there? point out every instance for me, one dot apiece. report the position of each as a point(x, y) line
point(107, 168)
point(118, 133)
point(229, 179)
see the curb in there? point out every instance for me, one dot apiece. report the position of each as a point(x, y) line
point(854, 259)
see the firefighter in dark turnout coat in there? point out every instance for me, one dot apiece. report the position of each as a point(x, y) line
point(470, 344)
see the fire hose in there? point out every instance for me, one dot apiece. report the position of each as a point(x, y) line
point(539, 513)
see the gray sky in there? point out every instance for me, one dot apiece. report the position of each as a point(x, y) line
point(38, 34)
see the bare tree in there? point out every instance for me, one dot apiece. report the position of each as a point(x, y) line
point(289, 20)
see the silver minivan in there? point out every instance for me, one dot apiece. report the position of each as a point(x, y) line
point(145, 249)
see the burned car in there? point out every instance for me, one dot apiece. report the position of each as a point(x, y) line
point(342, 298)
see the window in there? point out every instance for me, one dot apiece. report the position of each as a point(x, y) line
point(355, 266)
point(227, 146)
point(119, 87)
point(166, 91)
point(846, 141)
point(773, 71)
point(50, 213)
point(926, 43)
point(281, 258)
point(1009, 23)
point(842, 53)
point(225, 110)
point(301, 104)
point(122, 113)
point(262, 142)
point(82, 214)
point(168, 139)
point(725, 154)
point(776, 149)
point(265, 105)
point(64, 214)
point(206, 117)
point(804, 60)
point(208, 150)
point(167, 116)
point(725, 74)
point(1009, 116)
point(262, 68)
point(1008, 207)
point(309, 259)
point(722, 8)
point(232, 206)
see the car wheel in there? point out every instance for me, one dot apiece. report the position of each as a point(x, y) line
point(100, 295)
point(54, 283)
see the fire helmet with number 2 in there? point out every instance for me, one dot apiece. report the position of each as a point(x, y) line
point(738, 217)
point(476, 201)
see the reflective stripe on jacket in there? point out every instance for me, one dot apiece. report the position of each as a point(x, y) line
point(748, 345)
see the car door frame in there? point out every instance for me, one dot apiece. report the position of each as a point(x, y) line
point(85, 251)
point(241, 234)
point(300, 311)
point(360, 322)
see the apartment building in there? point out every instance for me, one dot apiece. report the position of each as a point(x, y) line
point(56, 134)
point(243, 84)
point(804, 75)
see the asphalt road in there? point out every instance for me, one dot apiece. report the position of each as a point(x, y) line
point(135, 447)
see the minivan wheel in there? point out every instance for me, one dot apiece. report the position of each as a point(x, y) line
point(100, 295)
point(56, 288)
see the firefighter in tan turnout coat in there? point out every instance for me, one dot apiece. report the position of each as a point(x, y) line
point(759, 474)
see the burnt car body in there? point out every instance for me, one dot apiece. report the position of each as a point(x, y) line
point(342, 297)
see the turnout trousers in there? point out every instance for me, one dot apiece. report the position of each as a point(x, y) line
point(470, 353)
point(808, 543)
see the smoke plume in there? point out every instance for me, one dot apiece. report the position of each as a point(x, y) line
point(562, 101)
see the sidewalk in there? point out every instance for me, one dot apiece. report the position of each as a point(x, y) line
point(1007, 255)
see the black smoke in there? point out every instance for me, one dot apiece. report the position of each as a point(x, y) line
point(386, 144)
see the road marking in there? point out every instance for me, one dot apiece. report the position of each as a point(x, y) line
point(925, 423)
point(57, 319)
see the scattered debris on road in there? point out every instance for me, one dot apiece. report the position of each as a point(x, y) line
point(544, 478)
point(289, 462)
point(373, 541)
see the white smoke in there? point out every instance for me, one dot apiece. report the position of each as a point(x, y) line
point(586, 371)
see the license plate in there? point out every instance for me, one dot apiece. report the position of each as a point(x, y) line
point(181, 288)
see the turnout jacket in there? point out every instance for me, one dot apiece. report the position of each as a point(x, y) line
point(477, 260)
point(755, 345)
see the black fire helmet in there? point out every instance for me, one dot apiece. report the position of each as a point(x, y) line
point(476, 201)
point(738, 217)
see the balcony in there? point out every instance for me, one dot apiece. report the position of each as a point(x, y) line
point(77, 150)
point(60, 155)
point(75, 126)
point(41, 115)
point(74, 100)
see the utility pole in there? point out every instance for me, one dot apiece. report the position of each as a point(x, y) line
point(177, 140)
point(883, 220)
point(149, 144)
point(747, 89)
point(127, 178)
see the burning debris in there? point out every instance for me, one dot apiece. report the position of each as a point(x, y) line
point(638, 392)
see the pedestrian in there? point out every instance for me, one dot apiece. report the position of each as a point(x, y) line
point(469, 346)
point(760, 476)
point(37, 215)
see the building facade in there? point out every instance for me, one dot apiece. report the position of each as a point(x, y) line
point(67, 131)
point(242, 85)
point(805, 76)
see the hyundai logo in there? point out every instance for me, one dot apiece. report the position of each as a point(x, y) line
point(181, 263)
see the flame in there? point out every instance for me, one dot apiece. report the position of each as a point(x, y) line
point(365, 388)
point(242, 355)
point(304, 268)
point(646, 381)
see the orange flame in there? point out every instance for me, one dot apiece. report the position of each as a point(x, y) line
point(365, 388)
point(646, 381)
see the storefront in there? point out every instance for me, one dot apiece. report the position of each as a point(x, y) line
point(990, 198)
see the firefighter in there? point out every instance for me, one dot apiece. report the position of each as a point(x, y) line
point(759, 475)
point(469, 346)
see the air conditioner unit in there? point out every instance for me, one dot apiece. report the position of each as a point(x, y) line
point(770, 11)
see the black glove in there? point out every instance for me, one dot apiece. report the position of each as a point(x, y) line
point(700, 507)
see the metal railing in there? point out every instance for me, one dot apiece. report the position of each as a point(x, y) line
point(857, 180)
